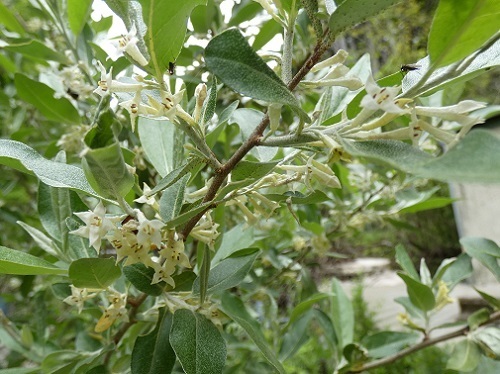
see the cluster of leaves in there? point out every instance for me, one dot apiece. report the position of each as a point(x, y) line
point(232, 180)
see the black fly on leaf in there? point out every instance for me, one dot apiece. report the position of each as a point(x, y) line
point(409, 67)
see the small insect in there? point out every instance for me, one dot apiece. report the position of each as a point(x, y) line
point(171, 68)
point(409, 67)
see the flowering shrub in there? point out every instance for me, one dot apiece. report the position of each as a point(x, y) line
point(176, 204)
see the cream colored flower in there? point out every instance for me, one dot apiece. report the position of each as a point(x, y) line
point(128, 44)
point(381, 97)
point(96, 226)
point(78, 297)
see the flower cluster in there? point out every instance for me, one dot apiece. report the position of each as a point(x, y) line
point(367, 123)
point(116, 309)
point(314, 171)
point(139, 101)
point(333, 72)
point(137, 240)
point(79, 296)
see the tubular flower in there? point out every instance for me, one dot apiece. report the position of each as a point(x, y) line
point(206, 230)
point(147, 198)
point(200, 94)
point(173, 254)
point(443, 296)
point(126, 243)
point(96, 226)
point(337, 75)
point(128, 44)
point(322, 173)
point(381, 98)
point(149, 232)
point(115, 310)
point(458, 112)
point(107, 85)
point(78, 297)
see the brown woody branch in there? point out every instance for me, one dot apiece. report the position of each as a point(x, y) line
point(255, 138)
point(424, 344)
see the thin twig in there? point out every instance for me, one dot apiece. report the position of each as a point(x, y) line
point(136, 304)
point(253, 140)
point(424, 344)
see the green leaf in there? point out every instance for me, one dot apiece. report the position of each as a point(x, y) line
point(107, 172)
point(21, 263)
point(485, 251)
point(204, 16)
point(420, 294)
point(425, 274)
point(37, 50)
point(68, 361)
point(42, 97)
point(403, 260)
point(78, 14)
point(56, 174)
point(432, 203)
point(491, 300)
point(248, 119)
point(296, 197)
point(186, 216)
point(489, 341)
point(461, 269)
point(54, 207)
point(42, 240)
point(351, 12)
point(141, 276)
point(201, 282)
point(396, 154)
point(183, 282)
point(153, 353)
point(266, 32)
point(166, 23)
point(342, 314)
point(464, 357)
point(197, 343)
point(233, 307)
point(477, 318)
point(355, 354)
point(296, 335)
point(97, 273)
point(237, 238)
point(175, 175)
point(441, 270)
point(472, 160)
point(251, 170)
point(460, 29)
point(244, 11)
point(448, 75)
point(326, 324)
point(409, 307)
point(229, 56)
point(104, 24)
point(172, 199)
point(306, 305)
point(157, 139)
point(20, 370)
point(208, 110)
point(9, 20)
point(213, 136)
point(387, 343)
point(228, 273)
point(336, 98)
